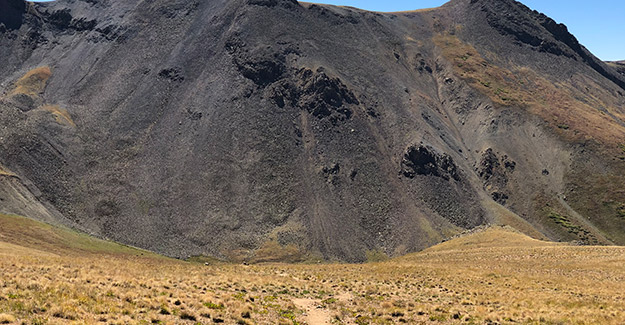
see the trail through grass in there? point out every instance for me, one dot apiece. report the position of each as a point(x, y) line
point(55, 276)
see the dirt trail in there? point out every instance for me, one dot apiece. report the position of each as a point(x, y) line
point(315, 312)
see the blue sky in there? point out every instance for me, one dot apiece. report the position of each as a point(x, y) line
point(599, 25)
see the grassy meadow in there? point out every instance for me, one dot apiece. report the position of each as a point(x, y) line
point(51, 275)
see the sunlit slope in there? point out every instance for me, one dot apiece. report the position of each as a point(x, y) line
point(23, 236)
point(493, 238)
point(55, 276)
point(507, 277)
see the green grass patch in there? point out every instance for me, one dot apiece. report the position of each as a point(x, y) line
point(566, 223)
point(329, 301)
point(202, 259)
point(438, 318)
point(290, 315)
point(363, 320)
point(36, 235)
point(214, 306)
point(376, 256)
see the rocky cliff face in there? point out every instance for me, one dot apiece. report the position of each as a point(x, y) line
point(11, 14)
point(278, 130)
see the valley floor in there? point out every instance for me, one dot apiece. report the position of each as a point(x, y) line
point(52, 276)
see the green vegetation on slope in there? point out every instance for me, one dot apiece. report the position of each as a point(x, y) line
point(31, 234)
point(600, 196)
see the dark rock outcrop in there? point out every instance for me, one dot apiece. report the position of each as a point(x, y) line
point(495, 172)
point(63, 20)
point(12, 14)
point(324, 97)
point(424, 160)
point(273, 3)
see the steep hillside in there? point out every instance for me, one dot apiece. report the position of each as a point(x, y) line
point(619, 66)
point(287, 130)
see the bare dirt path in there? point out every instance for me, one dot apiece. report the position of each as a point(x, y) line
point(313, 313)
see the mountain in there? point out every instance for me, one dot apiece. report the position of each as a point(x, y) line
point(619, 66)
point(267, 130)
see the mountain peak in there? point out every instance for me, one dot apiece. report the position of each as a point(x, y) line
point(530, 28)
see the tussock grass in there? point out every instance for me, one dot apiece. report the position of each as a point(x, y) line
point(491, 238)
point(7, 319)
point(491, 276)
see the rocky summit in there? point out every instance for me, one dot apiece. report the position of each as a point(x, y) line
point(277, 130)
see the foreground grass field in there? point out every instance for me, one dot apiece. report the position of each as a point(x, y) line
point(55, 276)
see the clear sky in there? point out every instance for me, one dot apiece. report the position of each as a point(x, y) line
point(599, 24)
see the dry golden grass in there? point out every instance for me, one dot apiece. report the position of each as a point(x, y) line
point(5, 172)
point(573, 113)
point(7, 319)
point(494, 276)
point(61, 115)
point(33, 82)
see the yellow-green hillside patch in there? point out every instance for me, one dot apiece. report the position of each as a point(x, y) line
point(33, 82)
point(62, 115)
point(32, 234)
point(5, 172)
point(495, 237)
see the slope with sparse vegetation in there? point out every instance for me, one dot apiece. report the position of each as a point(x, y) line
point(493, 275)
